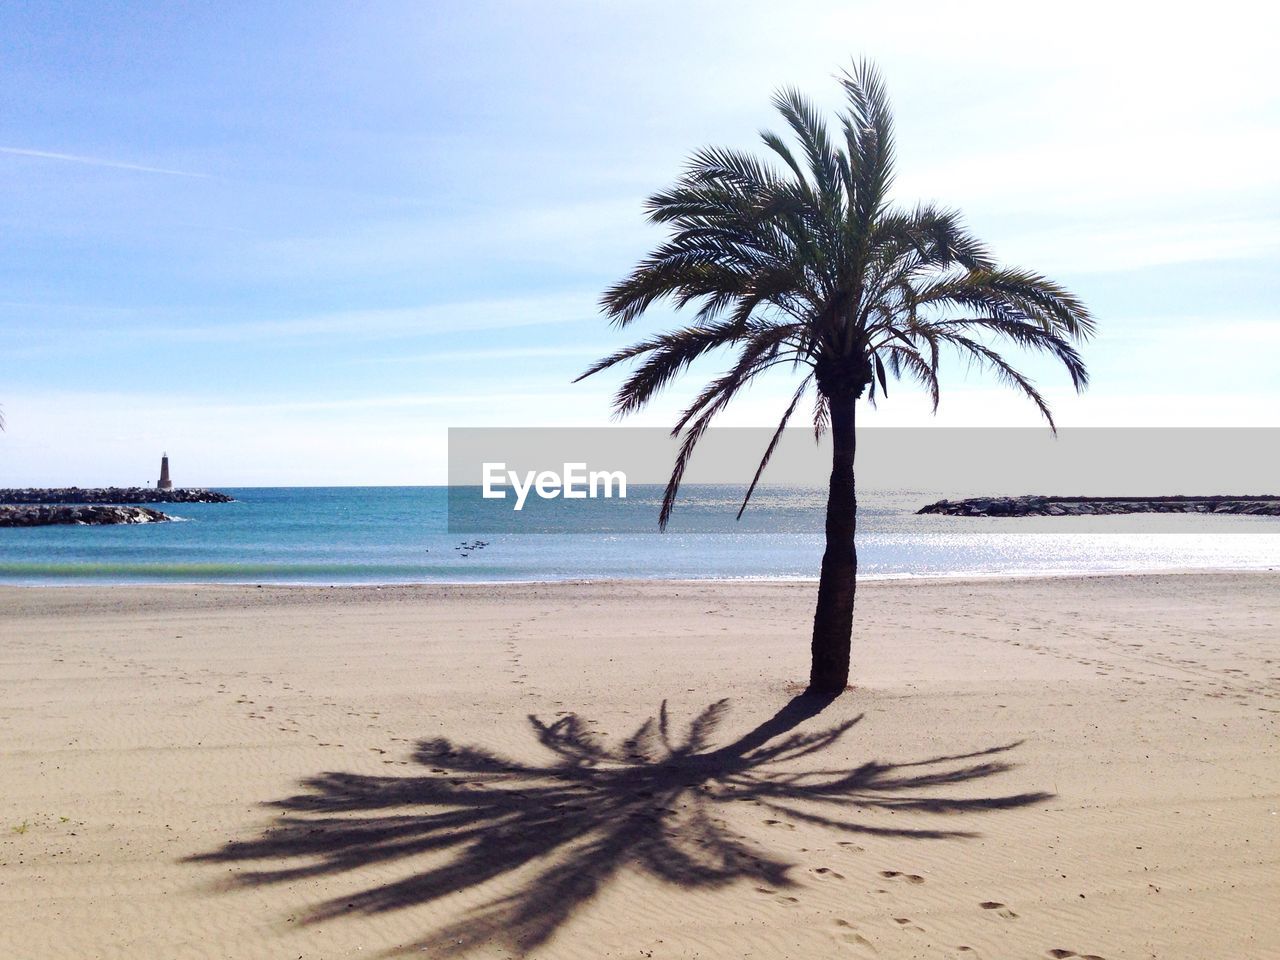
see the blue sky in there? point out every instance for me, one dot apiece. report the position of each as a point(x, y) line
point(294, 243)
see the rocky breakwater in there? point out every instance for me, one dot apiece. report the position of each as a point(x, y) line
point(1033, 506)
point(110, 495)
point(48, 514)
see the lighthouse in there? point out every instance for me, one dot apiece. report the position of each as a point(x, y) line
point(164, 483)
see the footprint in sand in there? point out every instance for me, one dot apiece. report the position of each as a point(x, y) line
point(828, 872)
point(1000, 909)
point(783, 899)
point(895, 874)
point(851, 937)
point(779, 823)
point(1060, 954)
point(906, 923)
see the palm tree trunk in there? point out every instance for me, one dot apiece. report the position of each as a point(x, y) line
point(833, 620)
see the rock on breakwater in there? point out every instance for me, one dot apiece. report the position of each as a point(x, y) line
point(1038, 506)
point(43, 515)
point(110, 495)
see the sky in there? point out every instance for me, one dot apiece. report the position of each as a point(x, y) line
point(294, 243)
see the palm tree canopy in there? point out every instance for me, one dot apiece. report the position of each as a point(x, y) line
point(802, 261)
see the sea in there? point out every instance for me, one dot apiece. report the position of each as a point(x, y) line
point(385, 535)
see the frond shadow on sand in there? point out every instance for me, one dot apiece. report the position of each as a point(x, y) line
point(552, 835)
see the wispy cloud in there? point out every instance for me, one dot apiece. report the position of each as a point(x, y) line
point(100, 162)
point(190, 324)
point(466, 316)
point(550, 236)
point(498, 353)
point(1100, 245)
point(526, 399)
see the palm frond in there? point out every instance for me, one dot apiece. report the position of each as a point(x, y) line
point(923, 372)
point(756, 356)
point(1004, 371)
point(1020, 294)
point(812, 134)
point(1032, 337)
point(773, 442)
point(821, 416)
point(936, 235)
point(670, 354)
point(779, 147)
point(868, 134)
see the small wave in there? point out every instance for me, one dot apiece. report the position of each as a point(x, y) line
point(283, 573)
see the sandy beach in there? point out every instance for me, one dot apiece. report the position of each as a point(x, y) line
point(1031, 768)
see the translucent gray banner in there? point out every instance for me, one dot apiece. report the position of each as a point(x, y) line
point(1123, 480)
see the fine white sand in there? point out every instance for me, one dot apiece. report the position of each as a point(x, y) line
point(1037, 768)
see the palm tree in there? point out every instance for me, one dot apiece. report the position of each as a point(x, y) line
point(807, 265)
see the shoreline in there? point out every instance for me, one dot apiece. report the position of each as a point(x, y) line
point(924, 578)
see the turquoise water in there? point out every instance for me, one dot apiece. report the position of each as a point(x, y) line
point(400, 534)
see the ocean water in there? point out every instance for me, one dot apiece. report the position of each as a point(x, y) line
point(344, 535)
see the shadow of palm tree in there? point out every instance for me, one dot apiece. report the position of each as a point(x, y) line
point(556, 833)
